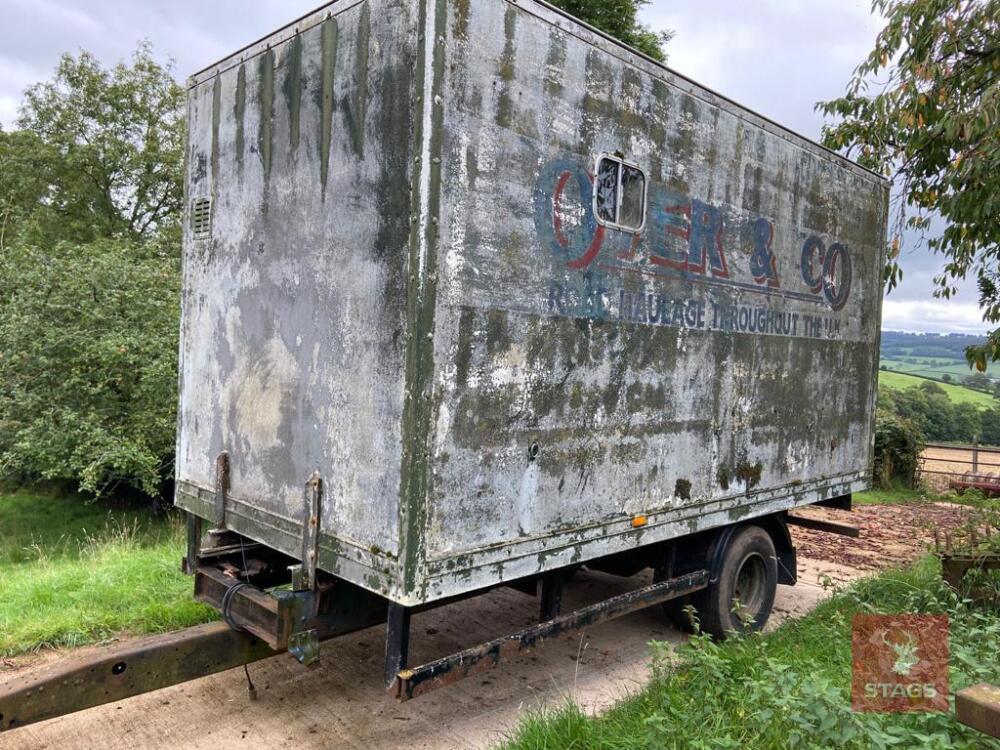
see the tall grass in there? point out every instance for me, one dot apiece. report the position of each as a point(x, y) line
point(72, 574)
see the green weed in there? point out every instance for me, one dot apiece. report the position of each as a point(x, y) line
point(786, 689)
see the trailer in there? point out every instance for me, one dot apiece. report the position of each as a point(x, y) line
point(474, 295)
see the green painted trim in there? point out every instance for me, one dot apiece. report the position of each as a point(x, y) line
point(372, 568)
point(422, 297)
point(293, 90)
point(239, 114)
point(358, 111)
point(330, 38)
point(265, 141)
point(216, 119)
point(448, 575)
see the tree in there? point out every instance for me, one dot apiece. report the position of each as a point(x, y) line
point(924, 108)
point(100, 152)
point(979, 382)
point(90, 201)
point(946, 378)
point(88, 362)
point(620, 19)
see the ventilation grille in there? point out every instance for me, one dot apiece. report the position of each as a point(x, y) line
point(201, 218)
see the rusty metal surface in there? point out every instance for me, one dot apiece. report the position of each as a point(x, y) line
point(955, 566)
point(252, 609)
point(979, 708)
point(116, 673)
point(407, 289)
point(411, 683)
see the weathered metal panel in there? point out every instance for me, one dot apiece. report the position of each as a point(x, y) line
point(585, 375)
point(294, 308)
point(489, 382)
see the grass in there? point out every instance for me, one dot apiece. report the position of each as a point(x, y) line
point(893, 496)
point(76, 573)
point(787, 689)
point(957, 393)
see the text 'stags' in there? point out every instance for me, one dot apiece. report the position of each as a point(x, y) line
point(900, 663)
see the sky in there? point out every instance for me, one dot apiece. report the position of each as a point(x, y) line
point(777, 57)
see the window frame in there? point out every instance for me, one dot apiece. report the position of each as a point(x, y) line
point(622, 163)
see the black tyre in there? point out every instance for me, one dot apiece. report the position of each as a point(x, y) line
point(741, 600)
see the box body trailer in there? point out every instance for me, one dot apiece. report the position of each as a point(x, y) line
point(473, 296)
point(520, 296)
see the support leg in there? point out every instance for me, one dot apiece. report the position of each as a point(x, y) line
point(397, 641)
point(551, 596)
point(193, 544)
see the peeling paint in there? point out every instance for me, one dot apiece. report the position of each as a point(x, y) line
point(490, 382)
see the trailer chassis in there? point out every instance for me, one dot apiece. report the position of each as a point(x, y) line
point(267, 615)
point(271, 604)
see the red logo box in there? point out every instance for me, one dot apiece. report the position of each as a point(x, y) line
point(900, 663)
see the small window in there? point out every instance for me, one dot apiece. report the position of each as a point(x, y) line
point(201, 218)
point(620, 194)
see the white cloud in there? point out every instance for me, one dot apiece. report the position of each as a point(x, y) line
point(8, 111)
point(932, 316)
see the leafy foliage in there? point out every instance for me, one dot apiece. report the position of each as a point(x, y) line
point(924, 108)
point(88, 359)
point(897, 450)
point(99, 153)
point(619, 18)
point(927, 410)
point(91, 190)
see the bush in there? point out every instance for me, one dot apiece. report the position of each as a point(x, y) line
point(88, 362)
point(897, 450)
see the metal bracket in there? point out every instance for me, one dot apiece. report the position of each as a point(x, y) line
point(303, 641)
point(221, 488)
point(304, 646)
point(304, 579)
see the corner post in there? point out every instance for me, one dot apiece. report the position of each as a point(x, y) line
point(397, 641)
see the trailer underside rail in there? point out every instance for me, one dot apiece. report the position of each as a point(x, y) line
point(131, 669)
point(828, 527)
point(410, 683)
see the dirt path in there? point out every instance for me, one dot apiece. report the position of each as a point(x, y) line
point(340, 704)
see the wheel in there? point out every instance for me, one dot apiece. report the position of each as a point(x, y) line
point(741, 600)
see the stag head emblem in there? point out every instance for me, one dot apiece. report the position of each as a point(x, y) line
point(906, 653)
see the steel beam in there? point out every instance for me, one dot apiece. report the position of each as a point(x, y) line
point(410, 683)
point(133, 668)
point(828, 527)
point(979, 707)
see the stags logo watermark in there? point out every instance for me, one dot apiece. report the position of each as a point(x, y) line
point(900, 663)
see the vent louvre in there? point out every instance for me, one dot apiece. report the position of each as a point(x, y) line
point(201, 218)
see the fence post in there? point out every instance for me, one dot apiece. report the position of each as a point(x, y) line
point(975, 457)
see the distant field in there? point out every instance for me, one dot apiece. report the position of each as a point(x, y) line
point(957, 393)
point(931, 367)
